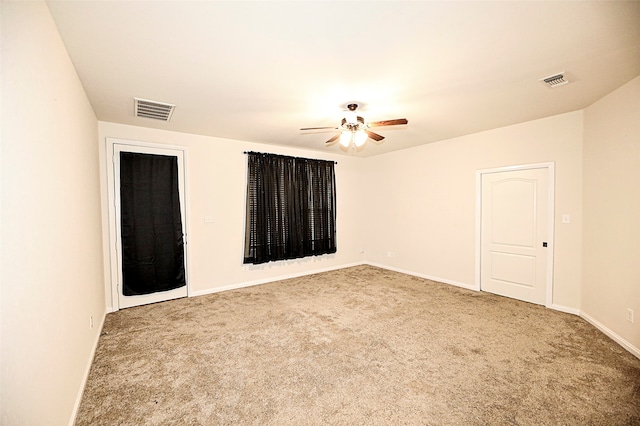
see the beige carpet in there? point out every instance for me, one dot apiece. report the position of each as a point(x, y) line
point(360, 345)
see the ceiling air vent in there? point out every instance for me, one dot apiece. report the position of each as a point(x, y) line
point(152, 109)
point(555, 80)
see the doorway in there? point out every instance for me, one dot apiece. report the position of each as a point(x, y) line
point(147, 223)
point(515, 244)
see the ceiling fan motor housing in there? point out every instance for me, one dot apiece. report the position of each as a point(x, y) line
point(358, 124)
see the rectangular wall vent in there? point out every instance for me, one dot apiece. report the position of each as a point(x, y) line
point(152, 109)
point(555, 80)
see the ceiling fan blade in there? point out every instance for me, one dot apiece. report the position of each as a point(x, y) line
point(318, 128)
point(374, 136)
point(333, 139)
point(388, 122)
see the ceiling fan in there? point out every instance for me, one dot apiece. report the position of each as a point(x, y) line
point(354, 130)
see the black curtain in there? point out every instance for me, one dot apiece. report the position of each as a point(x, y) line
point(152, 239)
point(291, 208)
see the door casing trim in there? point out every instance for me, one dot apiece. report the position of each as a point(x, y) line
point(550, 166)
point(113, 240)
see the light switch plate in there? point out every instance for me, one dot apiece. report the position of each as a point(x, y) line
point(566, 218)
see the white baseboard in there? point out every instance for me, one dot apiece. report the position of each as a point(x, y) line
point(565, 309)
point(87, 370)
point(428, 277)
point(622, 342)
point(268, 280)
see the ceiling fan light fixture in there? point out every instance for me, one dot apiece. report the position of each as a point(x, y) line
point(360, 138)
point(354, 129)
point(345, 138)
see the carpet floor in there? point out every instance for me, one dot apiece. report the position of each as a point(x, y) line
point(359, 345)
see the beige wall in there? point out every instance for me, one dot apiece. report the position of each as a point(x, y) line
point(51, 251)
point(216, 176)
point(611, 267)
point(418, 203)
point(422, 200)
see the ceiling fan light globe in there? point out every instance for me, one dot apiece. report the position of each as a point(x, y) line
point(345, 139)
point(360, 138)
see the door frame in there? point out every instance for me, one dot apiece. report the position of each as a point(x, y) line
point(114, 241)
point(551, 174)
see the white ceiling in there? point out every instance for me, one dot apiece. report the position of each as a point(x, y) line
point(259, 71)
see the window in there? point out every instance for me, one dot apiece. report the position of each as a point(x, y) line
point(291, 208)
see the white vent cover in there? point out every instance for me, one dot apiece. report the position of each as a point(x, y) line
point(153, 109)
point(555, 80)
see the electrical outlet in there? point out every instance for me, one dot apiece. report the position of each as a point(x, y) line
point(390, 254)
point(91, 322)
point(630, 315)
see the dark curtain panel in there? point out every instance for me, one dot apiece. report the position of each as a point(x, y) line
point(291, 208)
point(152, 239)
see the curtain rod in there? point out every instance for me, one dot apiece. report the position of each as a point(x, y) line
point(267, 153)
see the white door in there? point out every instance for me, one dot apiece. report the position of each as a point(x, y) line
point(125, 301)
point(515, 237)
